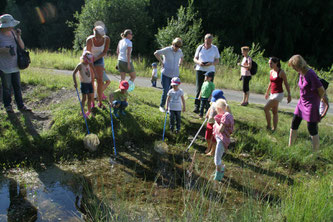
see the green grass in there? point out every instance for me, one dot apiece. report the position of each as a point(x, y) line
point(239, 198)
point(227, 73)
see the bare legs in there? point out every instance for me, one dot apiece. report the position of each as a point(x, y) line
point(272, 105)
point(293, 137)
point(132, 76)
point(99, 70)
point(246, 98)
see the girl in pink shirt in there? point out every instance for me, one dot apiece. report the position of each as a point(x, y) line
point(222, 129)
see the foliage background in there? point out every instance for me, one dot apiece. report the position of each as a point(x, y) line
point(282, 28)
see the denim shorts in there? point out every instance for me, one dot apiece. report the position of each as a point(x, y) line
point(99, 62)
point(86, 88)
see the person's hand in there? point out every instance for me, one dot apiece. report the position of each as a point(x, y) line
point(162, 64)
point(184, 109)
point(129, 66)
point(18, 32)
point(238, 64)
point(202, 64)
point(289, 98)
point(266, 96)
point(75, 85)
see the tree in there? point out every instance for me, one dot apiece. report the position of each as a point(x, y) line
point(186, 26)
point(117, 16)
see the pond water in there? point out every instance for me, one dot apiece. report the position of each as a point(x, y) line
point(48, 195)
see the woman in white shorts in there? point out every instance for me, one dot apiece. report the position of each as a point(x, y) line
point(277, 77)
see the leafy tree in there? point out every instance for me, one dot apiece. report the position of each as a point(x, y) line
point(186, 26)
point(117, 16)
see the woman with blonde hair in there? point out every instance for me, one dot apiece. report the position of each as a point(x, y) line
point(124, 51)
point(98, 45)
point(311, 91)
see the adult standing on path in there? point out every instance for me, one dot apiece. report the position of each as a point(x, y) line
point(172, 59)
point(98, 44)
point(124, 51)
point(311, 91)
point(277, 77)
point(206, 57)
point(9, 71)
point(245, 65)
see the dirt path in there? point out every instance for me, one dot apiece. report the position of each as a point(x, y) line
point(232, 95)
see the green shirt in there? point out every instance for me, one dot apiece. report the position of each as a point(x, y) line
point(207, 89)
point(117, 95)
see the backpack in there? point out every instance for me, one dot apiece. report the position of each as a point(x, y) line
point(254, 68)
point(324, 82)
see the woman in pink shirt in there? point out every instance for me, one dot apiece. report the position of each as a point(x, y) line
point(277, 77)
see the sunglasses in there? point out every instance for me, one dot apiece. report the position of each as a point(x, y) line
point(177, 46)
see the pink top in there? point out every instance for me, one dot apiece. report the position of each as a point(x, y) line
point(276, 82)
point(246, 62)
point(227, 120)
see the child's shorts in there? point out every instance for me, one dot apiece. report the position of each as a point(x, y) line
point(209, 133)
point(86, 88)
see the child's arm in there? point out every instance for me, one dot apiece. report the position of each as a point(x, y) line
point(111, 98)
point(74, 74)
point(267, 90)
point(183, 100)
point(167, 102)
point(208, 112)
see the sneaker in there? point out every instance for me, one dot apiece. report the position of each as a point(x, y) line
point(88, 114)
point(9, 109)
point(219, 174)
point(162, 109)
point(24, 108)
point(196, 110)
point(92, 105)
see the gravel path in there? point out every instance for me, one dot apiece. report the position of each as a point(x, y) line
point(232, 95)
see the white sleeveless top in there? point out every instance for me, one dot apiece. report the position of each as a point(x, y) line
point(96, 50)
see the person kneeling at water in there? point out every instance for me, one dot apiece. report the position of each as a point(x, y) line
point(118, 98)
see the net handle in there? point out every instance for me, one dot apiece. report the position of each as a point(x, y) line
point(165, 120)
point(84, 115)
point(114, 141)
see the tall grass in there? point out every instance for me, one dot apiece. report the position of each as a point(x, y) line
point(227, 73)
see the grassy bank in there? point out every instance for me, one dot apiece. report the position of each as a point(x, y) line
point(227, 73)
point(265, 180)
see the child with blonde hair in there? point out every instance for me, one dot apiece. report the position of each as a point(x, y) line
point(86, 75)
point(222, 129)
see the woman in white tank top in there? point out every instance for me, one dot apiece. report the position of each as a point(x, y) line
point(98, 44)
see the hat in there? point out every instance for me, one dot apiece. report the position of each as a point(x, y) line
point(154, 64)
point(217, 94)
point(100, 30)
point(209, 74)
point(7, 21)
point(175, 81)
point(123, 85)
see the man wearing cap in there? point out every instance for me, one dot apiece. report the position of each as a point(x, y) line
point(9, 71)
point(206, 57)
point(172, 59)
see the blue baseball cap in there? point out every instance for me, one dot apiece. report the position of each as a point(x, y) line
point(154, 64)
point(209, 74)
point(217, 94)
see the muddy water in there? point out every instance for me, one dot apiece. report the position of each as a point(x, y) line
point(142, 186)
point(48, 195)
